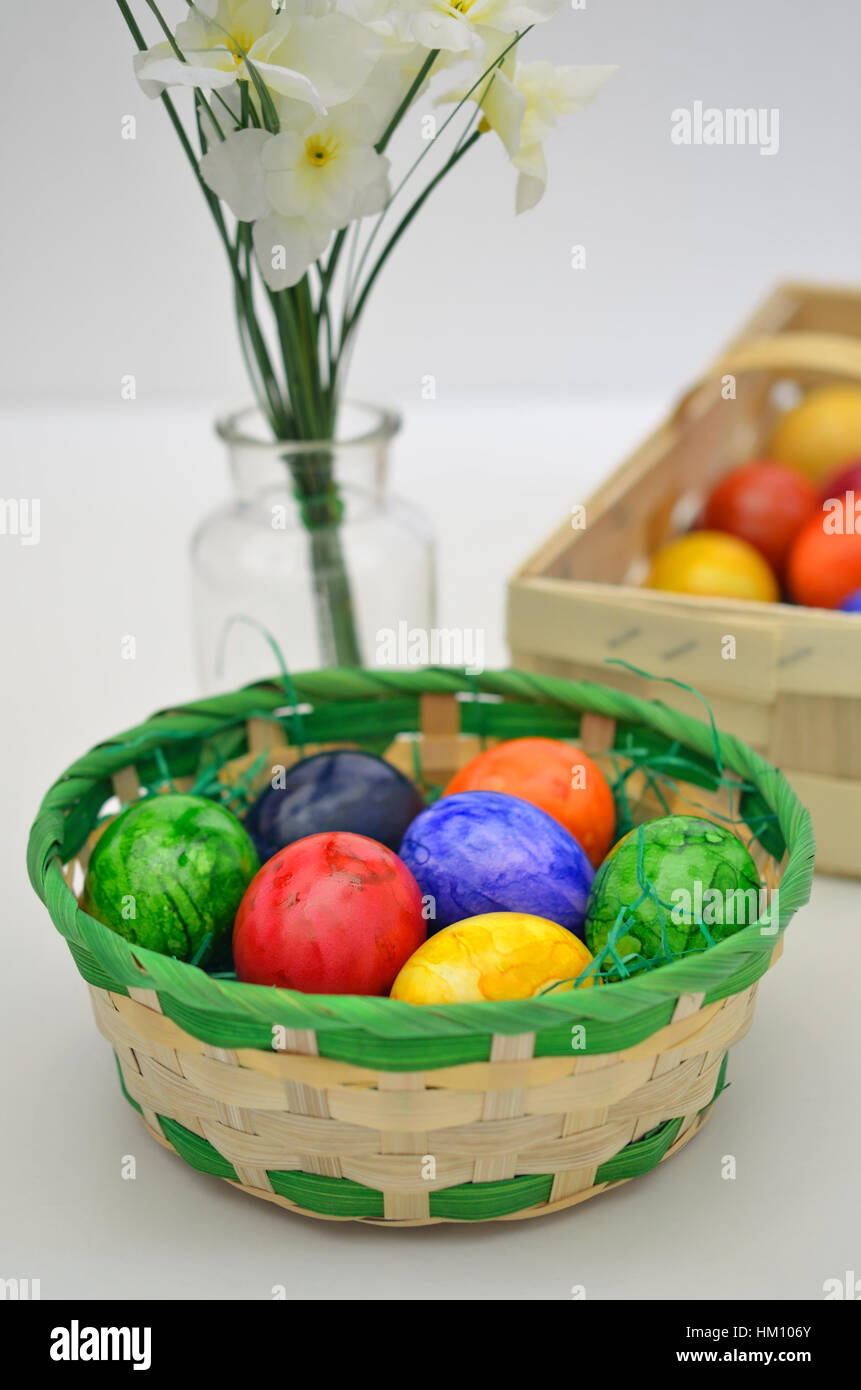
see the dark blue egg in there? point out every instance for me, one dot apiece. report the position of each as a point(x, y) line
point(851, 603)
point(477, 852)
point(342, 790)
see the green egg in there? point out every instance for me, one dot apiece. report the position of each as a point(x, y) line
point(676, 879)
point(170, 871)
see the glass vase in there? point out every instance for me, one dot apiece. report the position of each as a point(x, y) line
point(311, 561)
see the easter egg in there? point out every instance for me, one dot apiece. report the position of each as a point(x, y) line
point(562, 780)
point(338, 790)
point(847, 480)
point(666, 877)
point(824, 564)
point(170, 871)
point(852, 603)
point(500, 955)
point(479, 852)
point(821, 433)
point(335, 913)
point(763, 503)
point(714, 565)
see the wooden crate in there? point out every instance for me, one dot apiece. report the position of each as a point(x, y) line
point(792, 689)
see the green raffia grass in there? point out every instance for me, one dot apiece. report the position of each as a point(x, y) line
point(370, 708)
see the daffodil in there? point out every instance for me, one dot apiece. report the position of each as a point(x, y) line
point(320, 60)
point(305, 98)
point(299, 186)
point(473, 27)
point(522, 103)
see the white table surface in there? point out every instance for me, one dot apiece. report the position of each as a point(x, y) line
point(120, 491)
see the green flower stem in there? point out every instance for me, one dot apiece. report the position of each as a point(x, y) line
point(301, 403)
point(333, 599)
point(272, 412)
point(399, 231)
point(413, 91)
point(353, 279)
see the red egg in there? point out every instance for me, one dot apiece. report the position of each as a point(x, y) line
point(824, 565)
point(334, 913)
point(847, 480)
point(763, 503)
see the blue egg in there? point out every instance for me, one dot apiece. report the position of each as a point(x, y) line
point(851, 603)
point(478, 852)
point(341, 790)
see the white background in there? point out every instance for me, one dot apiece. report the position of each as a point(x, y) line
point(546, 377)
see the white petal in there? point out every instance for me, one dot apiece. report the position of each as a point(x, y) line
point(285, 248)
point(509, 16)
point(369, 176)
point(143, 63)
point(333, 52)
point(374, 196)
point(581, 85)
point(504, 107)
point(287, 194)
point(158, 68)
point(435, 30)
point(337, 53)
point(234, 170)
point(287, 83)
point(255, 16)
point(531, 182)
point(199, 26)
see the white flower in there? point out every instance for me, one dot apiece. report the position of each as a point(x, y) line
point(522, 105)
point(323, 172)
point(333, 51)
point(286, 246)
point(299, 186)
point(550, 92)
point(474, 26)
point(320, 60)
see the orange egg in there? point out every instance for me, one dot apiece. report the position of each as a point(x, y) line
point(713, 565)
point(824, 565)
point(822, 432)
point(561, 779)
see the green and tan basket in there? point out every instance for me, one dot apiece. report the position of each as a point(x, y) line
point(370, 1109)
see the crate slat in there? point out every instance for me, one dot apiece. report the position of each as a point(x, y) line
point(793, 688)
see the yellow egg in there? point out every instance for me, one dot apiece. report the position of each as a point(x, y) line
point(822, 432)
point(500, 955)
point(713, 565)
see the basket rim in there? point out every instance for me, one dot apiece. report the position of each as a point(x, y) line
point(639, 999)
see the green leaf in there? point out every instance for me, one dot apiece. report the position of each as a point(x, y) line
point(267, 105)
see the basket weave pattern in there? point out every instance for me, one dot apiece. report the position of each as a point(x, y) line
point(374, 1110)
point(482, 1122)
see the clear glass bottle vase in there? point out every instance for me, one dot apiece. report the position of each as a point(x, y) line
point(311, 554)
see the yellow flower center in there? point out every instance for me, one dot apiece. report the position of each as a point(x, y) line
point(240, 43)
point(320, 150)
point(462, 6)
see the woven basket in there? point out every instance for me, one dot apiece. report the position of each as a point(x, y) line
point(370, 1109)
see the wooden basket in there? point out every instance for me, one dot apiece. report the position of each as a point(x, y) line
point(793, 690)
point(377, 1110)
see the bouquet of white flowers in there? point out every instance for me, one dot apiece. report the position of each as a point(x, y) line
point(294, 105)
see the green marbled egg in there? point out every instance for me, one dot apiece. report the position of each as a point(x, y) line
point(169, 871)
point(669, 876)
